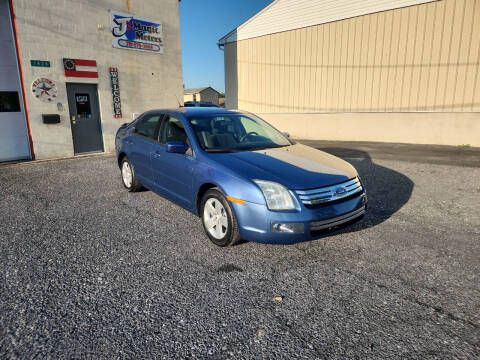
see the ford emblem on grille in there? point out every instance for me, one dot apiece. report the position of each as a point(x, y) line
point(340, 190)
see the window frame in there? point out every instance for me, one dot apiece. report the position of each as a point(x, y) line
point(188, 142)
point(164, 121)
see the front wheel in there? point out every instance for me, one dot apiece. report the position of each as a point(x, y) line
point(218, 219)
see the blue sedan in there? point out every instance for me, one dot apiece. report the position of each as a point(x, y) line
point(244, 178)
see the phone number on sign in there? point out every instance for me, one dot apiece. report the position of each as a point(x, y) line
point(139, 45)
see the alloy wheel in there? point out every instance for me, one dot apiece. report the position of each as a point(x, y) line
point(127, 175)
point(215, 218)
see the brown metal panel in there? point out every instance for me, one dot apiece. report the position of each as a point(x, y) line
point(388, 102)
point(464, 54)
point(440, 12)
point(453, 57)
point(416, 66)
point(352, 100)
point(291, 71)
point(409, 58)
point(472, 73)
point(339, 65)
point(308, 81)
point(343, 65)
point(312, 80)
point(301, 64)
point(325, 54)
point(426, 59)
point(319, 68)
point(401, 58)
point(382, 69)
point(444, 60)
point(256, 58)
point(363, 71)
point(371, 61)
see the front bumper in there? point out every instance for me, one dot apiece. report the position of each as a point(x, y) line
point(256, 221)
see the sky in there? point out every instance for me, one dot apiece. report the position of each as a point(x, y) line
point(202, 23)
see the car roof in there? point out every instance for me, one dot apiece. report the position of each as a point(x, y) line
point(197, 111)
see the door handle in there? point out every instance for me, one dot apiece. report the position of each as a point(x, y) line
point(156, 155)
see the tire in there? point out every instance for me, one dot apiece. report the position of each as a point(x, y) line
point(129, 181)
point(218, 219)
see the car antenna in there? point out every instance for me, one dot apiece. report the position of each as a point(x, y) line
point(178, 101)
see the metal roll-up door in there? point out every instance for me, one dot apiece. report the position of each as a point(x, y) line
point(14, 137)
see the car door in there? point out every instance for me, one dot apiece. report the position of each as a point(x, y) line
point(141, 146)
point(173, 173)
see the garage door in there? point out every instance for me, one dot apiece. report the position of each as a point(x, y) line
point(14, 140)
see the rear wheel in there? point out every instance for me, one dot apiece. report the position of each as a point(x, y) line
point(218, 219)
point(128, 176)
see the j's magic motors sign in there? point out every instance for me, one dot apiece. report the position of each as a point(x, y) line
point(136, 33)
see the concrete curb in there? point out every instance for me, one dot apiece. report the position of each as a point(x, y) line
point(33, 162)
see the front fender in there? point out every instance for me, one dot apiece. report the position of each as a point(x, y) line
point(231, 184)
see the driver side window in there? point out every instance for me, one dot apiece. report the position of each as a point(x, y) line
point(147, 126)
point(172, 130)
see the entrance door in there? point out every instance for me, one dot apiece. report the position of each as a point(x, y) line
point(85, 118)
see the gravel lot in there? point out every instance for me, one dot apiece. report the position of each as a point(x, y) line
point(89, 270)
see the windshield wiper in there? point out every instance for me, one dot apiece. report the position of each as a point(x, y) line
point(220, 150)
point(268, 147)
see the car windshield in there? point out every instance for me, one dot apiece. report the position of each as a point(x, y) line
point(236, 132)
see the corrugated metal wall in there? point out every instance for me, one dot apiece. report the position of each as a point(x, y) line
point(419, 58)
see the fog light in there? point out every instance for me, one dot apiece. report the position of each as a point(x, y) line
point(288, 227)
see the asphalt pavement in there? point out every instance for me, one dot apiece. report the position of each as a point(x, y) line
point(89, 270)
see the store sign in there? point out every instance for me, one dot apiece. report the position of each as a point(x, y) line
point(117, 106)
point(44, 89)
point(40, 63)
point(136, 33)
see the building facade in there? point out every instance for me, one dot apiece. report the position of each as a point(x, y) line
point(393, 71)
point(206, 93)
point(71, 72)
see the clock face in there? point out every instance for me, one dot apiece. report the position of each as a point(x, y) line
point(44, 90)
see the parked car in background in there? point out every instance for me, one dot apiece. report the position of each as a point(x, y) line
point(199, 104)
point(243, 177)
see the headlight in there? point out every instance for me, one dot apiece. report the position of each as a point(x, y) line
point(276, 195)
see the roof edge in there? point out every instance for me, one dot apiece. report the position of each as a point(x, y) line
point(223, 40)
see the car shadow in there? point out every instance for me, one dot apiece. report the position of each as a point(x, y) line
point(388, 190)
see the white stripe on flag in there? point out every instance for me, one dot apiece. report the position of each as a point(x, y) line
point(85, 68)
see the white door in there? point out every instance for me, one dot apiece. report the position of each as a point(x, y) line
point(14, 140)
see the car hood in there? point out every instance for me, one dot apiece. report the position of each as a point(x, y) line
point(296, 167)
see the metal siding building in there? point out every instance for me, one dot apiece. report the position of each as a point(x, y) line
point(36, 37)
point(394, 71)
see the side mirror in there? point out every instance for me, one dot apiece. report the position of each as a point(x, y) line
point(286, 134)
point(177, 147)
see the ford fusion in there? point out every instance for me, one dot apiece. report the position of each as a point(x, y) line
point(244, 178)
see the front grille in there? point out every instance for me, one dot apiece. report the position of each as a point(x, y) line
point(315, 197)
